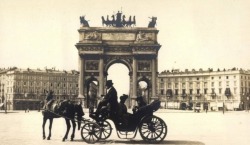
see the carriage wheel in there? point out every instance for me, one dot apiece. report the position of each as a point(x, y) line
point(91, 132)
point(153, 129)
point(106, 130)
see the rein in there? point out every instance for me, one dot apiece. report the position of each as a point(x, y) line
point(74, 119)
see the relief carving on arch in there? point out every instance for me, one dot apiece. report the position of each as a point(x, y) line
point(92, 36)
point(92, 64)
point(144, 66)
point(142, 36)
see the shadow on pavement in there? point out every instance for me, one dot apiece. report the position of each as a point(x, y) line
point(141, 142)
point(8, 112)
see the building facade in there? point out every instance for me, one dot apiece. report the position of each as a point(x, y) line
point(209, 88)
point(26, 88)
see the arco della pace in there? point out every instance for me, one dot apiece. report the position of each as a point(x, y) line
point(118, 41)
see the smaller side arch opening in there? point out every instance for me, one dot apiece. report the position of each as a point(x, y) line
point(92, 92)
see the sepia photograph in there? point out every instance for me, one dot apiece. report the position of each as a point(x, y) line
point(172, 72)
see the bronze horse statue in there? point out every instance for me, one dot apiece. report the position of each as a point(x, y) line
point(67, 110)
point(152, 23)
point(83, 21)
point(108, 22)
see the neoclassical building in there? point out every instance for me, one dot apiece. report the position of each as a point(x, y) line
point(183, 89)
point(26, 88)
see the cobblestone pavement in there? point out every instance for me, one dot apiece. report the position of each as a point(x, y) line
point(184, 128)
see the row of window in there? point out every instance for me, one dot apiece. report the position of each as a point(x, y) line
point(37, 84)
point(204, 78)
point(205, 91)
point(30, 77)
point(40, 91)
point(193, 78)
point(198, 85)
point(191, 91)
point(41, 97)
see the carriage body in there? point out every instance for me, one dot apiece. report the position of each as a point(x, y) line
point(152, 128)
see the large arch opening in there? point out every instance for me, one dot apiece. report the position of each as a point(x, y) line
point(119, 74)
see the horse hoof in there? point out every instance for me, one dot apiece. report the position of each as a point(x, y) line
point(48, 138)
point(71, 139)
point(44, 137)
point(63, 139)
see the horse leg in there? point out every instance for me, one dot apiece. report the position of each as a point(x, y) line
point(50, 127)
point(67, 131)
point(74, 128)
point(43, 126)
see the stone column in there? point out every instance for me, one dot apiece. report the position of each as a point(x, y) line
point(81, 77)
point(134, 93)
point(101, 77)
point(153, 78)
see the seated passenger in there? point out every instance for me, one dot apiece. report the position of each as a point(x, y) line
point(123, 111)
point(141, 103)
point(122, 107)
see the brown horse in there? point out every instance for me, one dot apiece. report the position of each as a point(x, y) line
point(64, 109)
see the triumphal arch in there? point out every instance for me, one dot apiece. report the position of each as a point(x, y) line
point(118, 41)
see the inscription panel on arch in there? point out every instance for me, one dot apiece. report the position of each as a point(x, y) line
point(118, 36)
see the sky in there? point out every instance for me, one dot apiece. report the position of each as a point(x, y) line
point(193, 33)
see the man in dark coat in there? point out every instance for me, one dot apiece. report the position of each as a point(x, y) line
point(110, 97)
point(49, 100)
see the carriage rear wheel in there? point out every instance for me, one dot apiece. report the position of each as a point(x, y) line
point(106, 130)
point(153, 129)
point(91, 132)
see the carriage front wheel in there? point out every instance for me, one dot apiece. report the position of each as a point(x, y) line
point(91, 132)
point(153, 129)
point(106, 130)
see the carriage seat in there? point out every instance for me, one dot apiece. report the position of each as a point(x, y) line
point(148, 109)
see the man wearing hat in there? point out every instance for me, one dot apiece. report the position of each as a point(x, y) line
point(110, 97)
point(48, 100)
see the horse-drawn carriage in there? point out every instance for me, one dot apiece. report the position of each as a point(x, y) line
point(152, 129)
